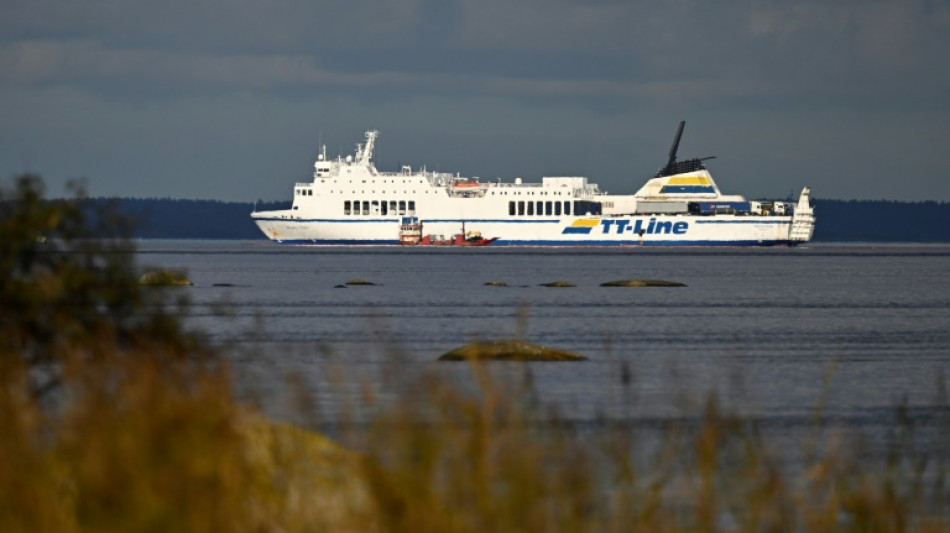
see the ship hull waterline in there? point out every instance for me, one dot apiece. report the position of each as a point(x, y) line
point(693, 231)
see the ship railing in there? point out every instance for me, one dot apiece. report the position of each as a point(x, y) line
point(588, 191)
point(423, 173)
point(518, 185)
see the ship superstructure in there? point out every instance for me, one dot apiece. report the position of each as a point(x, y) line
point(350, 202)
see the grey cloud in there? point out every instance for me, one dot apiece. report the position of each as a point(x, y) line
point(214, 25)
point(805, 90)
point(46, 63)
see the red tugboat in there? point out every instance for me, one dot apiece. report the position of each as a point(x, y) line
point(410, 234)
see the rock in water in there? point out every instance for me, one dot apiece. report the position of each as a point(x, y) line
point(558, 284)
point(164, 278)
point(642, 283)
point(509, 350)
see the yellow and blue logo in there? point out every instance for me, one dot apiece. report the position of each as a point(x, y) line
point(687, 184)
point(581, 226)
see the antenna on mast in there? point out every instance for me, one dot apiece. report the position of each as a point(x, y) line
point(365, 154)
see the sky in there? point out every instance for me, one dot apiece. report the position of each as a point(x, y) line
point(230, 100)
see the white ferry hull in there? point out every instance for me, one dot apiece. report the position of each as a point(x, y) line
point(349, 202)
point(716, 230)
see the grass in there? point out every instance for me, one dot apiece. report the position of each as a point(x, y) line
point(115, 417)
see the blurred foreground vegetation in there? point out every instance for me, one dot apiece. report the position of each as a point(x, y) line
point(114, 416)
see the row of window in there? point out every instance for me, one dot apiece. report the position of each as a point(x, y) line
point(379, 207)
point(309, 192)
point(548, 208)
point(540, 208)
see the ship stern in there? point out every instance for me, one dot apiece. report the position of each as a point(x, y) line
point(803, 220)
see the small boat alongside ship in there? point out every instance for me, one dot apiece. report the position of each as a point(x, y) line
point(350, 202)
point(410, 234)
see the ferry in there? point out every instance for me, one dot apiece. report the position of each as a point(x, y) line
point(350, 202)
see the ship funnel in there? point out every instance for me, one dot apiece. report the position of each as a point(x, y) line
point(679, 167)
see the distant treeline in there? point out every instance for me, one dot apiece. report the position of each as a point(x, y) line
point(838, 220)
point(881, 221)
point(165, 218)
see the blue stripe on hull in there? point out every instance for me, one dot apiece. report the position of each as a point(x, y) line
point(500, 242)
point(424, 221)
point(686, 189)
point(787, 220)
point(698, 220)
point(342, 242)
point(635, 244)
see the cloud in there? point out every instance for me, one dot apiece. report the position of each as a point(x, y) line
point(102, 86)
point(88, 64)
point(215, 25)
point(550, 48)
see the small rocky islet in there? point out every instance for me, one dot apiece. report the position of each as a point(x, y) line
point(509, 350)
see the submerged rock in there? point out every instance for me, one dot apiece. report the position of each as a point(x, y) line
point(165, 278)
point(558, 284)
point(359, 282)
point(495, 284)
point(642, 283)
point(509, 350)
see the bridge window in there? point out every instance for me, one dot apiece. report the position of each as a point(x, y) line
point(375, 207)
point(402, 207)
point(346, 207)
point(520, 208)
point(557, 208)
point(548, 209)
point(540, 208)
point(567, 208)
point(412, 207)
point(392, 207)
point(511, 208)
point(530, 208)
point(382, 208)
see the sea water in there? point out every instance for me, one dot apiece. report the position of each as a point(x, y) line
point(775, 333)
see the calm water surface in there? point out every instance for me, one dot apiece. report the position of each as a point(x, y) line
point(774, 332)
